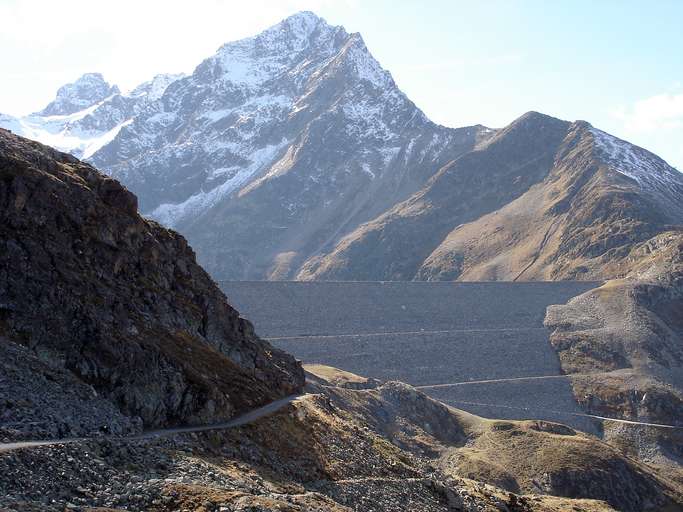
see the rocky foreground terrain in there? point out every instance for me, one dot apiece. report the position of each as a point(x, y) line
point(389, 448)
point(118, 304)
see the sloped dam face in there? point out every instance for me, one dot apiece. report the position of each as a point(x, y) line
point(480, 347)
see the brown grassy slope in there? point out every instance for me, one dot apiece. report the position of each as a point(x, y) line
point(340, 449)
point(396, 433)
point(394, 245)
point(541, 200)
point(580, 222)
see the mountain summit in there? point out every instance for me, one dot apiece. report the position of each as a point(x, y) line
point(293, 154)
point(277, 145)
point(85, 92)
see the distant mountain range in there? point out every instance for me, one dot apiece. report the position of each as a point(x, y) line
point(294, 155)
point(87, 114)
point(108, 326)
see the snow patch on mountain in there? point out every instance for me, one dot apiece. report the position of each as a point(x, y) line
point(155, 88)
point(366, 66)
point(63, 131)
point(96, 143)
point(171, 214)
point(253, 61)
point(647, 169)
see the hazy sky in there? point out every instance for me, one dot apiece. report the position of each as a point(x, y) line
point(617, 64)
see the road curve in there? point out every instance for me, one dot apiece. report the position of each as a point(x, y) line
point(244, 419)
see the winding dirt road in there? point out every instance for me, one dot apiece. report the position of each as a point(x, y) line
point(244, 419)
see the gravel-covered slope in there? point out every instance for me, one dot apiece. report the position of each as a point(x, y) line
point(388, 449)
point(631, 328)
point(117, 302)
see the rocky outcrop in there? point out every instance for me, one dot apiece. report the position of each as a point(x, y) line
point(88, 285)
point(624, 343)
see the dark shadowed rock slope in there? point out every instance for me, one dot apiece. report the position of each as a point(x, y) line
point(117, 301)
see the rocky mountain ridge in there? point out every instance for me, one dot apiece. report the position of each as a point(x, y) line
point(108, 326)
point(85, 92)
point(87, 114)
point(293, 155)
point(116, 305)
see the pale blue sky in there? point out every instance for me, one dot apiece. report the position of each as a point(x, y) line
point(617, 64)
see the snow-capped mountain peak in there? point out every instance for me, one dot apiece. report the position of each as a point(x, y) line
point(255, 60)
point(88, 114)
point(298, 126)
point(88, 90)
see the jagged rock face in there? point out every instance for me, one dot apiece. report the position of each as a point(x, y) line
point(88, 284)
point(88, 90)
point(542, 200)
point(276, 146)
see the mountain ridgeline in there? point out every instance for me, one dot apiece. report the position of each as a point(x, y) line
point(293, 155)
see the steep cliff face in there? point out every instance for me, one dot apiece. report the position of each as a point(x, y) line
point(120, 302)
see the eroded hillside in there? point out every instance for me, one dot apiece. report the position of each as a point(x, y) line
point(94, 295)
